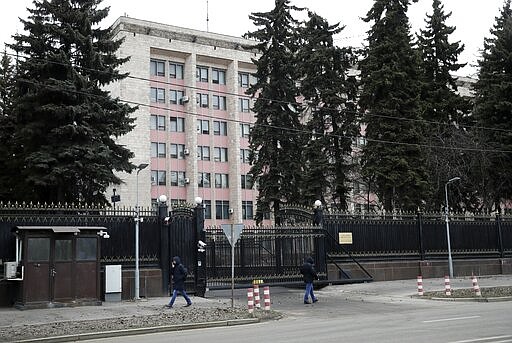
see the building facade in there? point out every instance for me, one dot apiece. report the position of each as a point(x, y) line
point(193, 121)
point(193, 118)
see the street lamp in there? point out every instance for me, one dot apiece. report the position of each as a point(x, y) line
point(450, 263)
point(137, 220)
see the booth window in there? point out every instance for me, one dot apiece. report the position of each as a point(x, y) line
point(38, 249)
point(63, 250)
point(86, 249)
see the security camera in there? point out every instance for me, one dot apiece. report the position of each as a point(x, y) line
point(106, 235)
point(201, 244)
point(166, 219)
point(231, 211)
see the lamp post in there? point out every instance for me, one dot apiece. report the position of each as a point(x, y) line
point(450, 263)
point(137, 220)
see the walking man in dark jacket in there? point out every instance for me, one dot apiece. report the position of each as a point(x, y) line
point(309, 273)
point(179, 274)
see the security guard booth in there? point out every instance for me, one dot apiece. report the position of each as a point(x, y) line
point(60, 266)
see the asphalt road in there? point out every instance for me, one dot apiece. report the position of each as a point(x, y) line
point(344, 315)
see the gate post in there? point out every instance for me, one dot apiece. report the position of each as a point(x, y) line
point(500, 235)
point(419, 219)
point(164, 246)
point(318, 218)
point(200, 235)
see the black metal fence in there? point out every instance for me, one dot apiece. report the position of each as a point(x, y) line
point(420, 236)
point(272, 253)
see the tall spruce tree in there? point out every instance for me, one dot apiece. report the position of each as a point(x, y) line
point(442, 104)
point(493, 107)
point(275, 139)
point(390, 89)
point(7, 89)
point(329, 95)
point(66, 124)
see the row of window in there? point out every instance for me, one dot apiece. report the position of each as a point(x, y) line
point(157, 68)
point(218, 76)
point(221, 208)
point(218, 102)
point(178, 151)
point(157, 94)
point(179, 179)
point(177, 124)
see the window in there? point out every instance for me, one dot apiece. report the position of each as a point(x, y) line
point(161, 178)
point(157, 94)
point(176, 70)
point(177, 124)
point(158, 149)
point(243, 80)
point(244, 130)
point(253, 79)
point(221, 181)
point(157, 68)
point(244, 105)
point(219, 102)
point(178, 202)
point(247, 210)
point(203, 127)
point(178, 151)
point(202, 100)
point(203, 153)
point(178, 178)
point(63, 250)
point(244, 155)
point(38, 249)
point(157, 122)
point(86, 248)
point(220, 128)
point(246, 181)
point(218, 76)
point(207, 209)
point(158, 178)
point(176, 96)
point(220, 154)
point(221, 209)
point(204, 180)
point(202, 74)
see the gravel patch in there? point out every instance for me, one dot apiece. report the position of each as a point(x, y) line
point(173, 316)
point(487, 292)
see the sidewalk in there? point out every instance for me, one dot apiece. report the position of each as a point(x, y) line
point(403, 289)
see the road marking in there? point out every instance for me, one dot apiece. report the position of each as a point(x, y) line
point(449, 319)
point(486, 339)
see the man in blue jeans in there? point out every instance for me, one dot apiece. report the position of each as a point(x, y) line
point(309, 273)
point(179, 274)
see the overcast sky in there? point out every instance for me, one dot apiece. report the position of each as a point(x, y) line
point(472, 18)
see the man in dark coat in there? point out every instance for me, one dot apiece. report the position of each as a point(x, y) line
point(179, 274)
point(309, 273)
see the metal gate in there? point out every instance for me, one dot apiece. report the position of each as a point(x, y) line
point(272, 254)
point(181, 242)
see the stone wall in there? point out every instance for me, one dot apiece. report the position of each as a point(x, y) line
point(402, 270)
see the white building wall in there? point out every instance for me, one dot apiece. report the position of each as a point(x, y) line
point(142, 39)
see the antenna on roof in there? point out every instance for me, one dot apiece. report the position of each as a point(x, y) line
point(207, 19)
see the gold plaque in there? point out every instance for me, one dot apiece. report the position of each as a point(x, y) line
point(345, 238)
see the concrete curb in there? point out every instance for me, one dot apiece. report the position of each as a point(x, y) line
point(480, 299)
point(140, 331)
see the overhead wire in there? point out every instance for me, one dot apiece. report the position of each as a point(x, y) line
point(267, 125)
point(422, 121)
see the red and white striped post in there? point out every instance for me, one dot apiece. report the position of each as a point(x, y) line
point(266, 295)
point(420, 285)
point(256, 289)
point(476, 288)
point(447, 287)
point(250, 301)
